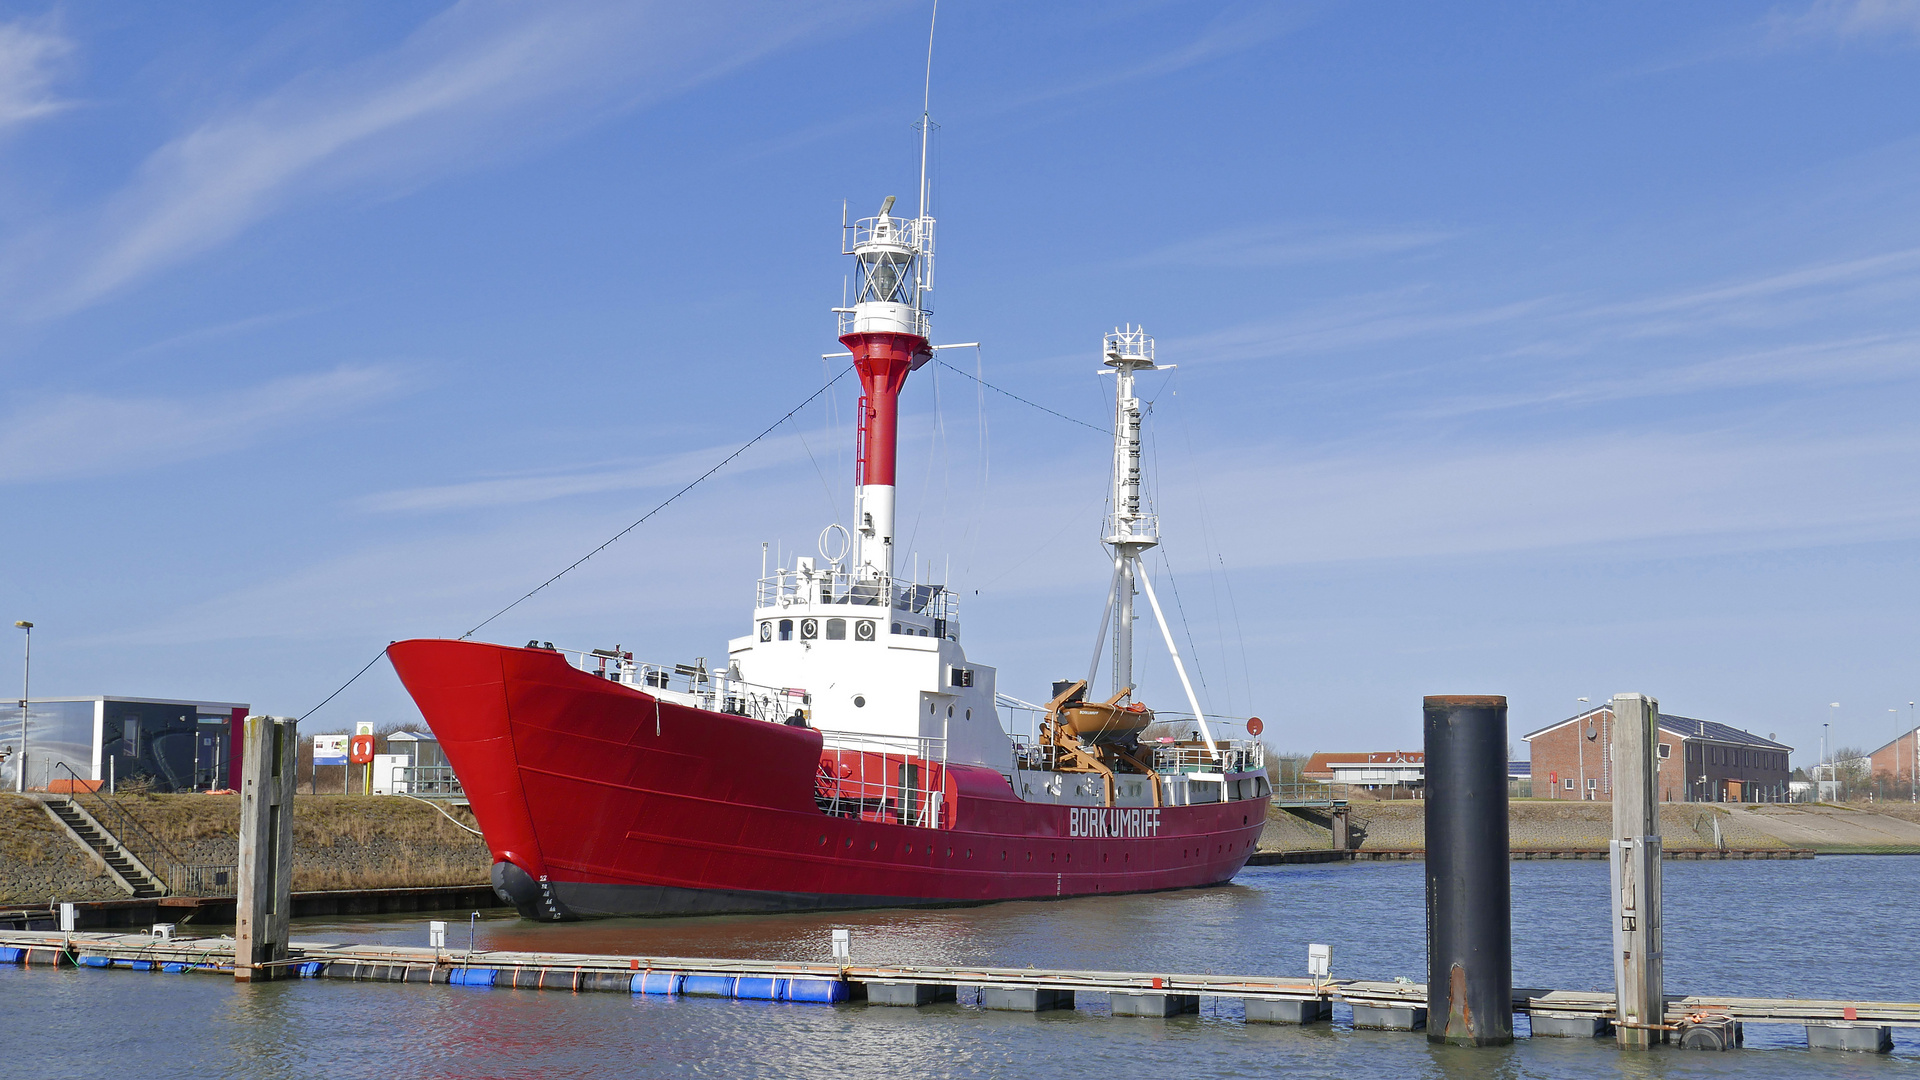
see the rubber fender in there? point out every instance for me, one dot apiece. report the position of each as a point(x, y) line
point(822, 991)
point(657, 982)
point(751, 989)
point(707, 986)
point(472, 976)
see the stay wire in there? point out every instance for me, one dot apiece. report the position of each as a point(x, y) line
point(696, 482)
point(1024, 401)
point(349, 682)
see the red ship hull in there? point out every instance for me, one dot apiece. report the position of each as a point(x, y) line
point(597, 799)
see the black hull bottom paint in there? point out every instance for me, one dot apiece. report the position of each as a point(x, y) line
point(561, 901)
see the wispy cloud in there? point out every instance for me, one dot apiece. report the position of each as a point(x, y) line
point(1354, 323)
point(77, 435)
point(1846, 20)
point(1849, 360)
point(1701, 491)
point(480, 80)
point(1281, 245)
point(30, 54)
point(1232, 32)
point(520, 489)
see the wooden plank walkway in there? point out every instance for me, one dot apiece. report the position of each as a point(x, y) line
point(533, 969)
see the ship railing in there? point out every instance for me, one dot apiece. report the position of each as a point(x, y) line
point(715, 690)
point(895, 779)
point(1135, 527)
point(914, 233)
point(832, 586)
point(1234, 755)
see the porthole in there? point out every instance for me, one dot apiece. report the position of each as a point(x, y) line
point(969, 714)
point(849, 841)
point(873, 845)
point(949, 712)
point(930, 707)
point(859, 701)
point(823, 839)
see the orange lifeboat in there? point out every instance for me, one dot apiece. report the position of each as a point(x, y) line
point(1105, 722)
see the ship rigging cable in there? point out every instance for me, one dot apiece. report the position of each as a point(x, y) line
point(668, 501)
point(1071, 420)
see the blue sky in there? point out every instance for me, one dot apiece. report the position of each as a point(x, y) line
point(1551, 350)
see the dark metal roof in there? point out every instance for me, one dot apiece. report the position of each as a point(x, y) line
point(1686, 727)
point(1689, 728)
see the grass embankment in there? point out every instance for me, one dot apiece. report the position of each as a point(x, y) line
point(339, 842)
point(1533, 825)
point(39, 864)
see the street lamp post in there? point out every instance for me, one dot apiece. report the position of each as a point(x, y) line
point(1580, 747)
point(1826, 748)
point(26, 692)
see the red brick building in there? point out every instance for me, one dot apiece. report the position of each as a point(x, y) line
point(1698, 761)
point(1894, 762)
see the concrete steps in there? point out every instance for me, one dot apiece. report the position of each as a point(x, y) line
point(84, 829)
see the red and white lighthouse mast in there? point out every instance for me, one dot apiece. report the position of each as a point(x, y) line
point(886, 330)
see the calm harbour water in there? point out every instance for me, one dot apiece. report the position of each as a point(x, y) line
point(1833, 927)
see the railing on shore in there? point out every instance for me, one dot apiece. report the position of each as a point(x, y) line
point(1309, 793)
point(125, 829)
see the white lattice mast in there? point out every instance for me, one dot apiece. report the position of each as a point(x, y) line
point(1132, 526)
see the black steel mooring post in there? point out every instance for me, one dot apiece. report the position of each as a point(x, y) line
point(1469, 888)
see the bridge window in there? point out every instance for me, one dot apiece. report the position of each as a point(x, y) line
point(836, 629)
point(786, 629)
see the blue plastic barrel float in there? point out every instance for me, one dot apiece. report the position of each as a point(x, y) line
point(821, 991)
point(658, 982)
point(96, 961)
point(472, 976)
point(707, 986)
point(11, 955)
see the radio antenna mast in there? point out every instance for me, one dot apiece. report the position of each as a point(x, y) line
point(926, 108)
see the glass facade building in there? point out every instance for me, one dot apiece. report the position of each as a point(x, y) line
point(162, 745)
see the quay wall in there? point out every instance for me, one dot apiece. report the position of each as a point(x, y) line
point(341, 842)
point(1558, 826)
